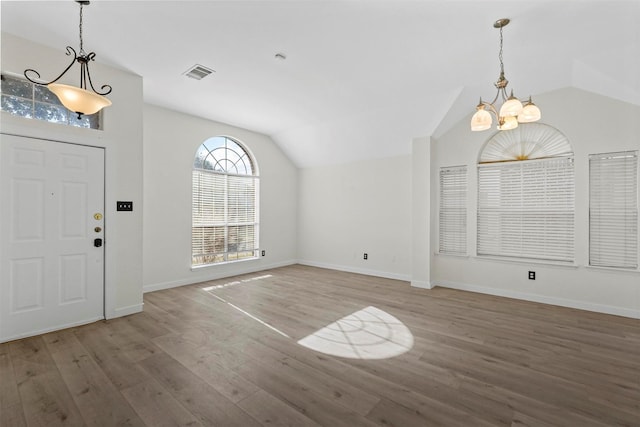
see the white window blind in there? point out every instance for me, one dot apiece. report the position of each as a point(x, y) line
point(613, 209)
point(526, 209)
point(224, 217)
point(453, 210)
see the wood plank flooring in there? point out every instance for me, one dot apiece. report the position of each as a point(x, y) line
point(226, 353)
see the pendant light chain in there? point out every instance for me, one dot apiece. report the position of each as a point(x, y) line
point(81, 39)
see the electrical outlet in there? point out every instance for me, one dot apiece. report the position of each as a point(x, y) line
point(264, 252)
point(366, 256)
point(532, 275)
point(124, 206)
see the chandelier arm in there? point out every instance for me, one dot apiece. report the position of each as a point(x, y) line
point(503, 92)
point(491, 108)
point(69, 51)
point(88, 76)
point(496, 98)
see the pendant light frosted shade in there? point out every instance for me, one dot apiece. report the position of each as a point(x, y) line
point(508, 123)
point(530, 113)
point(511, 108)
point(79, 100)
point(481, 120)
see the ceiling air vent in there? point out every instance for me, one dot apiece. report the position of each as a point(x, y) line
point(198, 72)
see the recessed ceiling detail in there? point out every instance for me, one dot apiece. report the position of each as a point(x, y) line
point(198, 72)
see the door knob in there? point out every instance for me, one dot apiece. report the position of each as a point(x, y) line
point(97, 243)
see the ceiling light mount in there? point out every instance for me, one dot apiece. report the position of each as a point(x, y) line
point(77, 99)
point(503, 22)
point(512, 111)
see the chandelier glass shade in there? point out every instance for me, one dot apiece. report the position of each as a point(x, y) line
point(76, 98)
point(512, 110)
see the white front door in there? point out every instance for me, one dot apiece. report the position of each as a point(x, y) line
point(51, 213)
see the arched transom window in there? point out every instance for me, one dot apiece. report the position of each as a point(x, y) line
point(526, 195)
point(225, 203)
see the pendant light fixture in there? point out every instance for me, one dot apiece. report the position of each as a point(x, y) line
point(77, 99)
point(512, 111)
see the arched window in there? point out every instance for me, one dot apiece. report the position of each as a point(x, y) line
point(526, 195)
point(225, 203)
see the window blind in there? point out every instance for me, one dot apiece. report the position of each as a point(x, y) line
point(224, 217)
point(526, 209)
point(613, 209)
point(453, 210)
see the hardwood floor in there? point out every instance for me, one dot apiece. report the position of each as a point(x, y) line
point(226, 353)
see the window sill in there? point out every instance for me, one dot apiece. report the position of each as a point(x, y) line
point(526, 261)
point(451, 255)
point(612, 269)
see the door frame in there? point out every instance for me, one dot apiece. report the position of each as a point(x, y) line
point(108, 289)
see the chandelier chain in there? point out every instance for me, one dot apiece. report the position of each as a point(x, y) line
point(500, 55)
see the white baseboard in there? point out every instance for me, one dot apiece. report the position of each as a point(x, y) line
point(422, 284)
point(580, 305)
point(213, 275)
point(349, 269)
point(125, 311)
point(47, 330)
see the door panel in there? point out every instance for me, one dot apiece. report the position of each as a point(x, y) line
point(74, 209)
point(26, 284)
point(27, 223)
point(73, 278)
point(51, 275)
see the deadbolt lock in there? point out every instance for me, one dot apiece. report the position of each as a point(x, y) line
point(97, 229)
point(97, 216)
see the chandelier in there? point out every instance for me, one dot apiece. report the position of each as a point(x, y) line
point(512, 111)
point(77, 99)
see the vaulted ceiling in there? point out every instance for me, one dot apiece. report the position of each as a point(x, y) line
point(361, 78)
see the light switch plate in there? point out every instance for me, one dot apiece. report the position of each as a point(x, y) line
point(124, 206)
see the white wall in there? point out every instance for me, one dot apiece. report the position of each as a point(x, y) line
point(349, 209)
point(593, 124)
point(325, 216)
point(170, 143)
point(122, 140)
point(421, 213)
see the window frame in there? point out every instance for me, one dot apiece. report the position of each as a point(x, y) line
point(533, 198)
point(232, 221)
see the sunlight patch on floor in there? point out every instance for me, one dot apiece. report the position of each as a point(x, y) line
point(246, 313)
point(236, 282)
point(366, 334)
